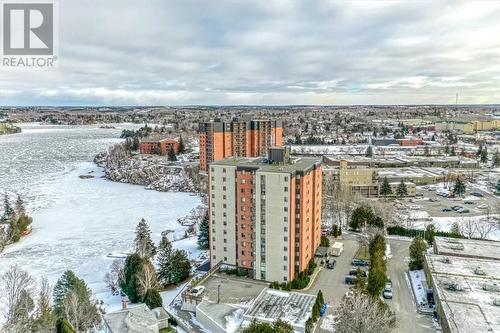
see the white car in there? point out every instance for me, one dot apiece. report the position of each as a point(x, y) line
point(197, 291)
point(483, 206)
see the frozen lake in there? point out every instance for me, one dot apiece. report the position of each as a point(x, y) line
point(77, 222)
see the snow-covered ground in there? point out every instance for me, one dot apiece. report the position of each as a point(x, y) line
point(78, 222)
point(92, 218)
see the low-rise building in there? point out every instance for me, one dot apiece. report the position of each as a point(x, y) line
point(136, 319)
point(158, 146)
point(465, 279)
point(271, 305)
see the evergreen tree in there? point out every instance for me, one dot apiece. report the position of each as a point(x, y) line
point(455, 230)
point(360, 282)
point(84, 313)
point(459, 187)
point(182, 148)
point(180, 267)
point(496, 159)
point(19, 207)
point(144, 245)
point(163, 260)
point(417, 250)
point(45, 318)
point(497, 188)
point(136, 143)
point(171, 154)
point(8, 211)
point(453, 152)
point(204, 234)
point(320, 298)
point(378, 271)
point(430, 233)
point(131, 270)
point(153, 299)
point(479, 150)
point(62, 326)
point(385, 188)
point(369, 151)
point(484, 155)
point(401, 191)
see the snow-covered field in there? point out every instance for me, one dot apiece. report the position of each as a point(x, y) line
point(78, 222)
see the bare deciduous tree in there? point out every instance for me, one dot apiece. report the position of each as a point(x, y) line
point(13, 284)
point(361, 313)
point(147, 279)
point(115, 275)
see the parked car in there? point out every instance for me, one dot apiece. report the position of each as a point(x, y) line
point(197, 291)
point(349, 279)
point(456, 208)
point(359, 262)
point(483, 206)
point(468, 202)
point(419, 194)
point(463, 211)
point(354, 272)
point(434, 200)
point(330, 265)
point(477, 194)
point(387, 293)
point(447, 209)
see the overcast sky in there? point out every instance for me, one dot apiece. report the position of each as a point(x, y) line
point(119, 52)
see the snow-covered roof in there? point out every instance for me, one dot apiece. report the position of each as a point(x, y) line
point(468, 248)
point(471, 309)
point(271, 305)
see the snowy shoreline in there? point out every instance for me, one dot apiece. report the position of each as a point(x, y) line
point(91, 218)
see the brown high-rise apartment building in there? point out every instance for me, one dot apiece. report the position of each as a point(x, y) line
point(219, 139)
point(265, 213)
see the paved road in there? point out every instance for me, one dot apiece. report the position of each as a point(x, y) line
point(332, 284)
point(409, 320)
point(331, 281)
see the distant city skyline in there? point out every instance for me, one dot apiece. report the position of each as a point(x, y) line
point(267, 53)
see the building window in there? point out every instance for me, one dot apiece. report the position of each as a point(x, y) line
point(223, 179)
point(224, 170)
point(224, 197)
point(286, 188)
point(225, 249)
point(285, 209)
point(243, 181)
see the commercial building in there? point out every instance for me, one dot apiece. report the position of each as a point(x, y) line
point(238, 138)
point(265, 214)
point(158, 146)
point(465, 278)
point(468, 126)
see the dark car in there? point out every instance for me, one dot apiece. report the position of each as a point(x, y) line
point(447, 209)
point(354, 272)
point(350, 279)
point(477, 194)
point(359, 262)
point(330, 265)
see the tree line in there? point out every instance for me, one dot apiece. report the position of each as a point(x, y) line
point(14, 221)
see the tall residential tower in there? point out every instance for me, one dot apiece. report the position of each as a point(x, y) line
point(265, 214)
point(219, 140)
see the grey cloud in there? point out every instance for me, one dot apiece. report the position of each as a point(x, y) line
point(263, 52)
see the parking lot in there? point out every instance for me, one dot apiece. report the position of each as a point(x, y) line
point(434, 204)
point(333, 286)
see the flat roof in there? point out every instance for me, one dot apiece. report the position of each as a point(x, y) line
point(472, 308)
point(271, 305)
point(468, 248)
point(301, 164)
